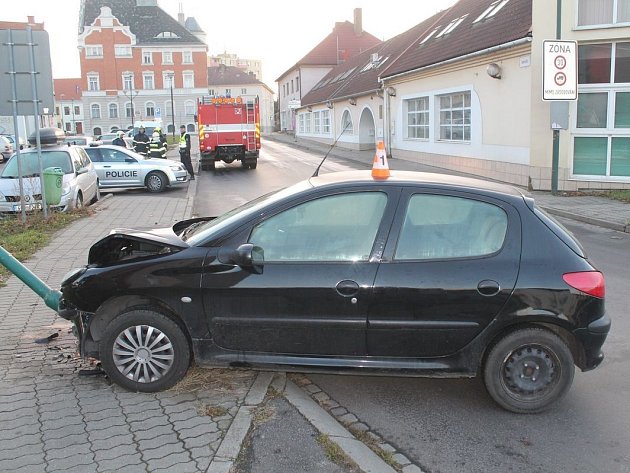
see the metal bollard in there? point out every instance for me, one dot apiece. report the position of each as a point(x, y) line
point(50, 296)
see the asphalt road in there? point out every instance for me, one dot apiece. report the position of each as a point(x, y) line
point(453, 425)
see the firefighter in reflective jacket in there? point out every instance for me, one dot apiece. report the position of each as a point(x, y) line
point(184, 151)
point(141, 142)
point(157, 149)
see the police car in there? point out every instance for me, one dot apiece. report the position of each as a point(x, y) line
point(79, 183)
point(120, 167)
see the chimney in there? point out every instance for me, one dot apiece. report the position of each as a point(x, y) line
point(180, 15)
point(31, 20)
point(358, 22)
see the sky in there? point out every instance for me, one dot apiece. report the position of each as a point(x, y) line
point(278, 33)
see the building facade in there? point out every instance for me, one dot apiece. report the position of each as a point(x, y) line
point(69, 106)
point(137, 64)
point(246, 65)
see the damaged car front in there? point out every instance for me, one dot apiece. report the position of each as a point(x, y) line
point(130, 268)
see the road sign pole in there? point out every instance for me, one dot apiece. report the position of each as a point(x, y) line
point(555, 156)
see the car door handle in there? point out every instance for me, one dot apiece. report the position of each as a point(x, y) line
point(107, 166)
point(347, 288)
point(488, 287)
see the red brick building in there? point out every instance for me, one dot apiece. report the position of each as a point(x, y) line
point(134, 58)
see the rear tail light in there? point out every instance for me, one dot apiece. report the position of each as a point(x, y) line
point(588, 282)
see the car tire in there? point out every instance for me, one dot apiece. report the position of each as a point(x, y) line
point(144, 351)
point(97, 195)
point(155, 181)
point(529, 370)
point(78, 203)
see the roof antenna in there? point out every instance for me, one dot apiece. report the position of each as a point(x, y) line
point(316, 173)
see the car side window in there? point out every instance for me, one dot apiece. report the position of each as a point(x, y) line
point(332, 228)
point(440, 227)
point(113, 156)
point(94, 154)
point(85, 159)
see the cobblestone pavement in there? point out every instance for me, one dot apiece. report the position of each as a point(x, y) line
point(54, 419)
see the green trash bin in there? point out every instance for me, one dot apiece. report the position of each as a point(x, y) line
point(53, 183)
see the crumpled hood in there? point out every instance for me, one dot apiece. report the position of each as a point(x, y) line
point(123, 244)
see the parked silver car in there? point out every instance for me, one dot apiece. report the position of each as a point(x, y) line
point(79, 185)
point(119, 167)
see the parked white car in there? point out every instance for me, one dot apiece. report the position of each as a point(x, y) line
point(80, 180)
point(119, 167)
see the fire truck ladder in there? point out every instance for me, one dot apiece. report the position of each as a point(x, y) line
point(250, 108)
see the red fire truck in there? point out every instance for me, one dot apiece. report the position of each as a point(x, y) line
point(229, 130)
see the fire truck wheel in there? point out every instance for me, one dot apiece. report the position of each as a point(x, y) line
point(253, 165)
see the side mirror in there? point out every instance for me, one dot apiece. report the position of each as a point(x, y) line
point(246, 256)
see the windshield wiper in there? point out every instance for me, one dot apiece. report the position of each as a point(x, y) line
point(190, 228)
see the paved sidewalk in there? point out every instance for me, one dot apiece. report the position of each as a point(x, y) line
point(595, 210)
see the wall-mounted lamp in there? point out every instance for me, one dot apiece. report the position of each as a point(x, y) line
point(391, 91)
point(309, 108)
point(494, 70)
point(352, 101)
point(329, 104)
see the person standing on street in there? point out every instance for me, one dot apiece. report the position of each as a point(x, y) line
point(119, 141)
point(184, 151)
point(141, 142)
point(156, 147)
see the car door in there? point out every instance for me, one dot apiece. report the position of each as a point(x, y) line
point(86, 175)
point(449, 267)
point(314, 289)
point(118, 169)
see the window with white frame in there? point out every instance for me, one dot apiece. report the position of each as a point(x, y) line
point(603, 12)
point(346, 123)
point(128, 110)
point(149, 109)
point(189, 79)
point(147, 57)
point(113, 110)
point(243, 91)
point(189, 107)
point(93, 82)
point(228, 92)
point(168, 109)
point(148, 82)
point(492, 10)
point(601, 139)
point(127, 81)
point(95, 110)
point(418, 118)
point(317, 123)
point(187, 57)
point(454, 113)
point(211, 92)
point(66, 110)
point(168, 79)
point(122, 50)
point(326, 121)
point(307, 123)
point(167, 57)
point(77, 110)
point(301, 120)
point(94, 51)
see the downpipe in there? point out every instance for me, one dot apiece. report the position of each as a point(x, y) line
point(50, 296)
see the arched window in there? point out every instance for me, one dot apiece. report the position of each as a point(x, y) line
point(95, 110)
point(97, 131)
point(128, 110)
point(113, 110)
point(189, 108)
point(114, 128)
point(149, 109)
point(190, 127)
point(170, 128)
point(346, 123)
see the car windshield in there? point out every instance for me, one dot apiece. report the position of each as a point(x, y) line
point(203, 232)
point(30, 166)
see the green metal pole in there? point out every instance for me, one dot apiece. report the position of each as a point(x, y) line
point(50, 296)
point(555, 158)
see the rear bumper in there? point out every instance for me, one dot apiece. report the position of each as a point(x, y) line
point(592, 339)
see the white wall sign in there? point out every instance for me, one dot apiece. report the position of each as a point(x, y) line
point(560, 70)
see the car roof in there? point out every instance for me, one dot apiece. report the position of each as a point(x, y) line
point(414, 177)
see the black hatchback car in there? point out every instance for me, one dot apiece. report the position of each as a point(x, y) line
point(414, 275)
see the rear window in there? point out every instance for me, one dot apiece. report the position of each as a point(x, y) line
point(30, 165)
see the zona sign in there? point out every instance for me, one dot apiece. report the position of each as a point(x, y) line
point(559, 70)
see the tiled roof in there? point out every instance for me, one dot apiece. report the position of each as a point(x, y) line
point(359, 74)
point(405, 52)
point(69, 88)
point(340, 45)
point(146, 22)
point(512, 22)
point(230, 75)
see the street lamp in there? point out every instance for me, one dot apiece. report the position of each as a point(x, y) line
point(171, 78)
point(130, 93)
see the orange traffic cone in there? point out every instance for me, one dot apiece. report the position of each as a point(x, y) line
point(380, 168)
